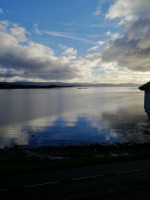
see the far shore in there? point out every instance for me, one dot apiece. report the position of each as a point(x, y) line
point(50, 85)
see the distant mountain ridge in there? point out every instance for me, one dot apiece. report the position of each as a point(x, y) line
point(11, 85)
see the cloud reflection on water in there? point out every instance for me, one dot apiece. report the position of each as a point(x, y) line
point(71, 116)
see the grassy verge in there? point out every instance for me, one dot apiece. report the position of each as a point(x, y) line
point(14, 167)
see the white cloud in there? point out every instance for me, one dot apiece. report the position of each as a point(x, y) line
point(62, 46)
point(97, 11)
point(66, 35)
point(112, 35)
point(132, 48)
point(36, 62)
point(70, 52)
point(100, 43)
point(94, 48)
point(1, 11)
point(19, 33)
point(129, 10)
point(32, 60)
point(108, 33)
point(37, 29)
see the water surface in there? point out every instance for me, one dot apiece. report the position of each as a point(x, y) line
point(71, 116)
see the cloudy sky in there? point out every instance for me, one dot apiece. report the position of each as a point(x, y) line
point(97, 41)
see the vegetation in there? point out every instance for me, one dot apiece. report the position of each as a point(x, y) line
point(21, 86)
point(18, 160)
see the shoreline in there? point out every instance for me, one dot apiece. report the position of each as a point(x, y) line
point(18, 160)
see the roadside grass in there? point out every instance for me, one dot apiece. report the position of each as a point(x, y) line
point(15, 167)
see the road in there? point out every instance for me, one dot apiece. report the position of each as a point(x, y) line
point(127, 180)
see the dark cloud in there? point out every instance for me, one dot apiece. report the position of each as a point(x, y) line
point(32, 60)
point(132, 49)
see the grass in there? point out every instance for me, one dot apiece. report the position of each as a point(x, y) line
point(12, 166)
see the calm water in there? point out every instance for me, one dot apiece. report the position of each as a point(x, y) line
point(42, 117)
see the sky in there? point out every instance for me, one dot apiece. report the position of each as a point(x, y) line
point(86, 41)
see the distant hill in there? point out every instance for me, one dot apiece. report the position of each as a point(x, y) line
point(26, 85)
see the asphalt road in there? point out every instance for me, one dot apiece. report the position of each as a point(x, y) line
point(128, 180)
